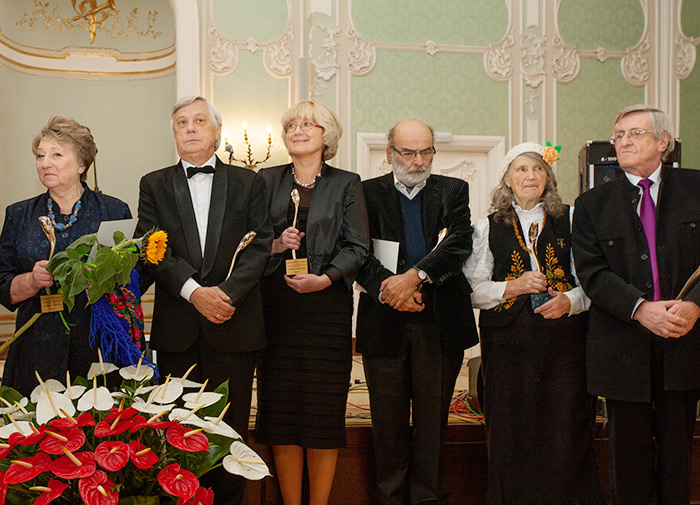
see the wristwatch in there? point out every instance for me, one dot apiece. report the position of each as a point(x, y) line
point(421, 274)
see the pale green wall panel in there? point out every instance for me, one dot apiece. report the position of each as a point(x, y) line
point(31, 24)
point(448, 91)
point(613, 24)
point(586, 108)
point(690, 18)
point(690, 119)
point(240, 19)
point(130, 121)
point(465, 22)
point(252, 95)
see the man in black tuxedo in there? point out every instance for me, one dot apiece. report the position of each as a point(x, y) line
point(636, 240)
point(413, 325)
point(200, 316)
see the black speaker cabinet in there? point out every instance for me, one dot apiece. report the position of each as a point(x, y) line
point(597, 163)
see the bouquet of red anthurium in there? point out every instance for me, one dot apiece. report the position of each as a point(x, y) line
point(82, 443)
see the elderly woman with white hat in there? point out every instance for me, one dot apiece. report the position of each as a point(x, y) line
point(539, 415)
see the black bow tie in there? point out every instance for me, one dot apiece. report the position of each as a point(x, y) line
point(199, 170)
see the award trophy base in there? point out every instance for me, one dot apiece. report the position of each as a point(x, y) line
point(51, 303)
point(297, 266)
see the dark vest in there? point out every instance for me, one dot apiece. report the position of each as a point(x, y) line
point(512, 261)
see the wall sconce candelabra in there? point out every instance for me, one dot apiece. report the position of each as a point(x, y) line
point(248, 161)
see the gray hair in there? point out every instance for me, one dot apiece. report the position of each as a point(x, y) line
point(502, 196)
point(213, 112)
point(660, 122)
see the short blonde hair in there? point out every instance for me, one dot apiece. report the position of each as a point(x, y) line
point(68, 132)
point(323, 116)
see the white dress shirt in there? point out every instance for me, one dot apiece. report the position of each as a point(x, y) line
point(200, 191)
point(478, 268)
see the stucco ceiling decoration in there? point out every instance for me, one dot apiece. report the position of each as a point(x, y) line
point(223, 52)
point(635, 63)
point(105, 64)
point(91, 16)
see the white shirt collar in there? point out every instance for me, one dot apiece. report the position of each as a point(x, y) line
point(211, 162)
point(403, 189)
point(655, 177)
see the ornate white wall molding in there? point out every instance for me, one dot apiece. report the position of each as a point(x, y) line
point(497, 59)
point(566, 63)
point(635, 64)
point(222, 51)
point(361, 54)
point(532, 59)
point(187, 47)
point(326, 64)
point(465, 170)
point(686, 53)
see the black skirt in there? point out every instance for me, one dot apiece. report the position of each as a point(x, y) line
point(304, 373)
point(539, 415)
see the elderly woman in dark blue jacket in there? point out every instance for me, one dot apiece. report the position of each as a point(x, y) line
point(304, 373)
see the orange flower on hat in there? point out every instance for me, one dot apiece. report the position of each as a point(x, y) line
point(550, 155)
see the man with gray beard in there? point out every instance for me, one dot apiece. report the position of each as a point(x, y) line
point(414, 324)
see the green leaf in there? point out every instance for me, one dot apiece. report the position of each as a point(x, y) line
point(118, 237)
point(106, 267)
point(215, 409)
point(139, 500)
point(79, 281)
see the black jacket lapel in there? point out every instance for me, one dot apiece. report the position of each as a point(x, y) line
point(187, 218)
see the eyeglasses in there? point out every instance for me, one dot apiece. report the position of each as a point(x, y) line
point(634, 134)
point(410, 155)
point(305, 126)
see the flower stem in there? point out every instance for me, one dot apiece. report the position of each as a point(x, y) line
point(19, 332)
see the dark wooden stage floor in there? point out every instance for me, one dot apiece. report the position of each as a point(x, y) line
point(466, 468)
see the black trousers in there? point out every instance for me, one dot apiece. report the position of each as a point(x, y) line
point(236, 367)
point(650, 444)
point(421, 379)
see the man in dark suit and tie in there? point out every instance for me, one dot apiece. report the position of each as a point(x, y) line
point(636, 240)
point(414, 324)
point(200, 316)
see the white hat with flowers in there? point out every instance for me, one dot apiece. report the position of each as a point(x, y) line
point(549, 153)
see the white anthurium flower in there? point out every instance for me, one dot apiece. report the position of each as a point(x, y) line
point(245, 461)
point(51, 385)
point(97, 369)
point(166, 393)
point(193, 400)
point(98, 399)
point(188, 383)
point(153, 408)
point(14, 407)
point(74, 392)
point(185, 416)
point(22, 427)
point(50, 406)
point(136, 372)
point(220, 428)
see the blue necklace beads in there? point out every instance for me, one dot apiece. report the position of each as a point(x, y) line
point(73, 216)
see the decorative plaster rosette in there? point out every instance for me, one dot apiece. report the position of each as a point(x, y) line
point(685, 56)
point(223, 55)
point(278, 58)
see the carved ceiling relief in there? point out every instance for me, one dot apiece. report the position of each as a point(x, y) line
point(90, 16)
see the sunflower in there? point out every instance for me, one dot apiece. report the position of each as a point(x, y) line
point(156, 245)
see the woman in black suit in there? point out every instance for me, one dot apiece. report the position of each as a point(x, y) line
point(304, 373)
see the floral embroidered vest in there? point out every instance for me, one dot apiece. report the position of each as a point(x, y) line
point(511, 261)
